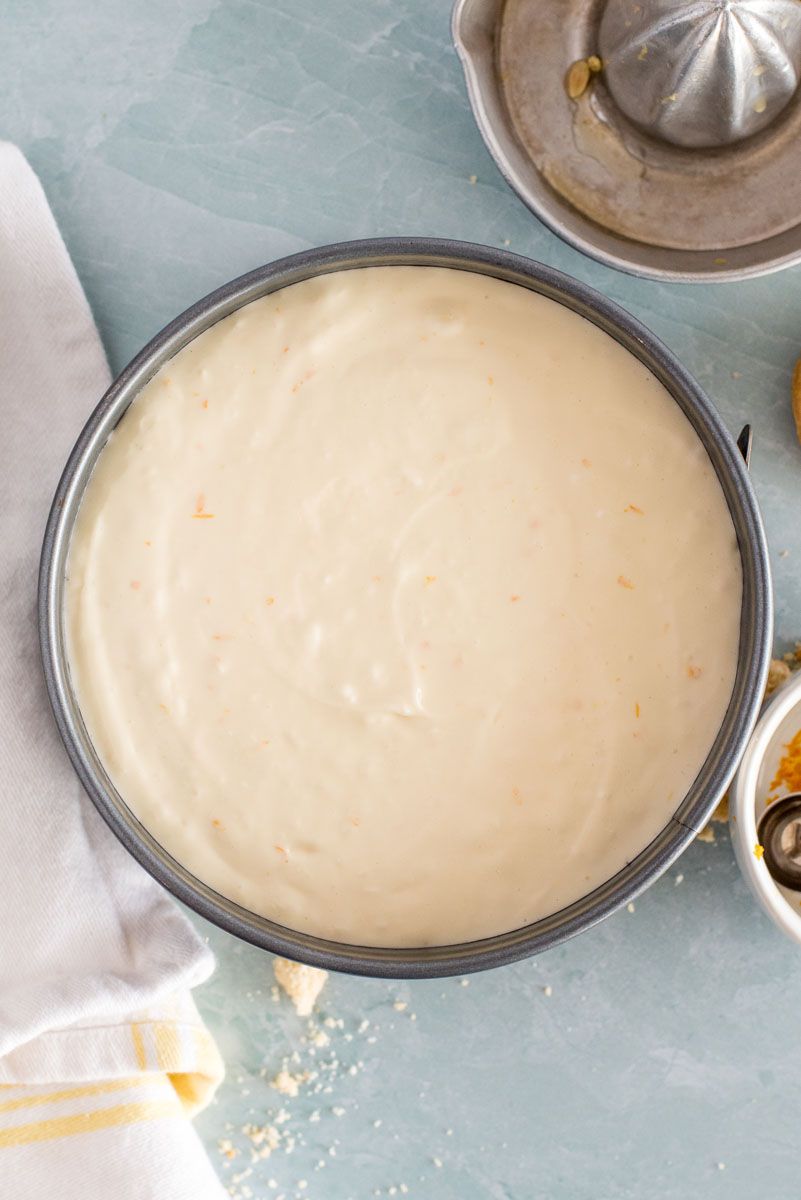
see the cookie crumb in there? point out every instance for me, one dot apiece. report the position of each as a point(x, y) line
point(778, 673)
point(288, 1084)
point(301, 983)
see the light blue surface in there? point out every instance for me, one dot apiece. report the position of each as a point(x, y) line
point(181, 143)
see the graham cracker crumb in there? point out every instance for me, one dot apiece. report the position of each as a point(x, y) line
point(301, 983)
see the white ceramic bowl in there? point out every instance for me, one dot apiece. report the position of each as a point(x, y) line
point(779, 722)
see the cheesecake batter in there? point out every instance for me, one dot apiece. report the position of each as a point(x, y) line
point(403, 606)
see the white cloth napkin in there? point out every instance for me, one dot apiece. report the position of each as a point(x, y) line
point(102, 1052)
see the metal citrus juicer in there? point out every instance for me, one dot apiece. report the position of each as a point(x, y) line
point(661, 137)
point(701, 73)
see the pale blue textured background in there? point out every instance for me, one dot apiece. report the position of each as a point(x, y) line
point(182, 142)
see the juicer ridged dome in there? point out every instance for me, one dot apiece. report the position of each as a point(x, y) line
point(701, 73)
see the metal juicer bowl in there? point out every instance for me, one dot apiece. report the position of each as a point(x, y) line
point(755, 632)
point(617, 189)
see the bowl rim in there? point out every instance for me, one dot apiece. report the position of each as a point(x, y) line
point(755, 633)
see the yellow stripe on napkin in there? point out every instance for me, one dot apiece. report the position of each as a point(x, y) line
point(185, 1053)
point(87, 1089)
point(104, 1118)
point(162, 1065)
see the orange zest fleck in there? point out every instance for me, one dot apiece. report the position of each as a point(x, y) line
point(135, 585)
point(223, 637)
point(147, 543)
point(270, 600)
point(164, 707)
point(788, 772)
point(430, 579)
point(624, 582)
point(633, 508)
point(758, 850)
point(694, 672)
point(585, 462)
point(202, 516)
point(205, 404)
point(513, 599)
point(201, 503)
point(636, 710)
point(218, 824)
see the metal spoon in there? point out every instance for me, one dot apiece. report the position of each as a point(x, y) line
point(780, 836)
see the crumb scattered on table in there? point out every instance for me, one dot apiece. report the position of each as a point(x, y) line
point(301, 983)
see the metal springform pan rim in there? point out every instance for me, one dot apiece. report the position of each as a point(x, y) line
point(755, 635)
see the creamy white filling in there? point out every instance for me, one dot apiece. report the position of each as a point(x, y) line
point(403, 606)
